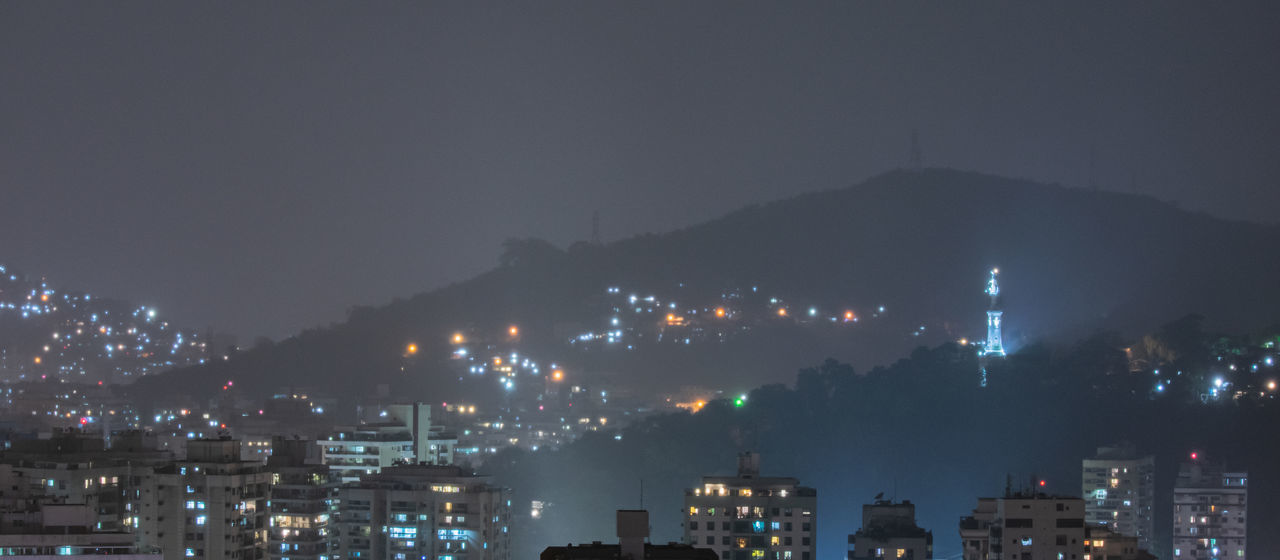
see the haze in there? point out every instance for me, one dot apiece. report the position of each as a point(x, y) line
point(260, 167)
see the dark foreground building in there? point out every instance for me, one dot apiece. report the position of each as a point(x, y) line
point(633, 530)
point(889, 530)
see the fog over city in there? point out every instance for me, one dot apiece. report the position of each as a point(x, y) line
point(659, 280)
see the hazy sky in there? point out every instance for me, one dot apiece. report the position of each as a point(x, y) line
point(258, 167)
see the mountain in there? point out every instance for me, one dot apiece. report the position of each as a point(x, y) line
point(917, 244)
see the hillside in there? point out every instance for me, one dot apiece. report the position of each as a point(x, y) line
point(917, 243)
point(48, 332)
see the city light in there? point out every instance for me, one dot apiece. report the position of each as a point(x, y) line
point(411, 349)
point(513, 330)
point(720, 312)
point(458, 338)
point(557, 375)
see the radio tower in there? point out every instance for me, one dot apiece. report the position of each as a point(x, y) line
point(595, 227)
point(994, 346)
point(915, 161)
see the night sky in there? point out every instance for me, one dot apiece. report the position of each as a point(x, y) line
point(260, 167)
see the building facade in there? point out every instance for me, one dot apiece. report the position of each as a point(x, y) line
point(1025, 526)
point(889, 530)
point(211, 505)
point(387, 435)
point(1118, 486)
point(749, 517)
point(423, 511)
point(303, 500)
point(1210, 513)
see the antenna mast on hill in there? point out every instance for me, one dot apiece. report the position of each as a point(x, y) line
point(595, 227)
point(1093, 165)
point(915, 161)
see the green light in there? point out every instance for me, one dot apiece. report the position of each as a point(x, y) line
point(740, 402)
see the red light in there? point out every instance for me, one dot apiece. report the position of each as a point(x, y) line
point(1194, 455)
point(1041, 483)
point(99, 383)
point(84, 421)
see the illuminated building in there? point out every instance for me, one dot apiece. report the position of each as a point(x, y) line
point(302, 494)
point(387, 435)
point(889, 530)
point(1210, 512)
point(423, 511)
point(1024, 525)
point(749, 517)
point(1118, 487)
point(1104, 544)
point(633, 530)
point(211, 505)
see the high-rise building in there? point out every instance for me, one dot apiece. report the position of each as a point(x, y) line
point(1210, 512)
point(423, 511)
point(889, 530)
point(1118, 486)
point(749, 517)
point(396, 434)
point(633, 530)
point(303, 494)
point(210, 505)
point(1102, 543)
point(73, 468)
point(1025, 526)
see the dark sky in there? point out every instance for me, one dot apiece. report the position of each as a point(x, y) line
point(259, 167)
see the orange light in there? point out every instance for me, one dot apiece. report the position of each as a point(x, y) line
point(458, 339)
point(411, 349)
point(38, 360)
point(513, 331)
point(698, 405)
point(44, 297)
point(497, 361)
point(557, 375)
point(848, 315)
point(720, 312)
point(782, 312)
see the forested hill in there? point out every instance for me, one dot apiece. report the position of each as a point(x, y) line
point(919, 243)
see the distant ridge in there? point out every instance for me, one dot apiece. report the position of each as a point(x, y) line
point(916, 241)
